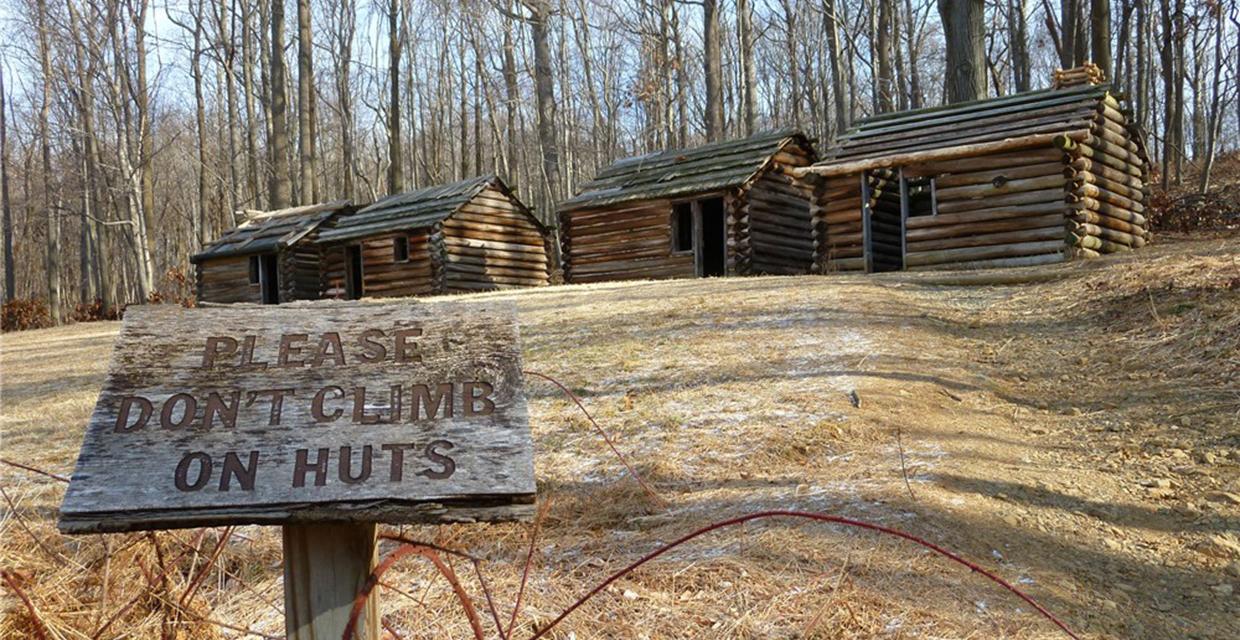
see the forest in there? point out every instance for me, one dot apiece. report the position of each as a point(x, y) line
point(133, 132)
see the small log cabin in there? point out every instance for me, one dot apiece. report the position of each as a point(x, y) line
point(472, 235)
point(1031, 178)
point(725, 208)
point(270, 258)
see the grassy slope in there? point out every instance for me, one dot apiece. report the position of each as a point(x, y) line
point(1031, 417)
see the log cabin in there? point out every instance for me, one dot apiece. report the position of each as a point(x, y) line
point(270, 258)
point(725, 208)
point(1031, 178)
point(472, 235)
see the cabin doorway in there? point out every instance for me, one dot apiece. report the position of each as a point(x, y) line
point(269, 278)
point(712, 239)
point(353, 272)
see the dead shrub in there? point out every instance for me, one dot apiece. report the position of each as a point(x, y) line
point(21, 314)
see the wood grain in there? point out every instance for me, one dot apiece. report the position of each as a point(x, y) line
point(133, 475)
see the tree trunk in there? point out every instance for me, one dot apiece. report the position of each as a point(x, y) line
point(251, 114)
point(914, 75)
point(512, 98)
point(1018, 33)
point(712, 52)
point(886, 75)
point(395, 172)
point(830, 24)
point(280, 188)
point(6, 205)
point(749, 95)
point(228, 47)
point(305, 103)
point(1100, 35)
point(544, 95)
point(1214, 126)
point(963, 29)
point(146, 140)
point(45, 152)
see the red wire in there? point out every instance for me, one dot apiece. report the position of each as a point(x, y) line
point(810, 516)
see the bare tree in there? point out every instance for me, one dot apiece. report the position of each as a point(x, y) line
point(305, 103)
point(45, 154)
point(749, 97)
point(6, 205)
point(713, 54)
point(280, 188)
point(395, 171)
point(1100, 35)
point(963, 29)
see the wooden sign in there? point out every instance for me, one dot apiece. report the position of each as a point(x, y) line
point(307, 413)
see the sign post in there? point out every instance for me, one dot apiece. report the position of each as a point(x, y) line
point(325, 418)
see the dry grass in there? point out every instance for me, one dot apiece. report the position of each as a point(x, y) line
point(1030, 414)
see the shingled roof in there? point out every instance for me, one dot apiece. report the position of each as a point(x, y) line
point(1047, 111)
point(680, 172)
point(412, 209)
point(271, 231)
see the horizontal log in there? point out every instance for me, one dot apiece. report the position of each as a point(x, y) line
point(1090, 190)
point(1100, 245)
point(844, 264)
point(988, 226)
point(1001, 186)
point(1109, 209)
point(1025, 157)
point(1098, 168)
point(1093, 217)
point(1005, 174)
point(982, 253)
point(987, 239)
point(1087, 177)
point(1082, 229)
point(1011, 200)
point(963, 151)
point(995, 263)
point(980, 215)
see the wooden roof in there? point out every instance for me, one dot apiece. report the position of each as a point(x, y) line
point(270, 231)
point(414, 209)
point(1047, 111)
point(680, 172)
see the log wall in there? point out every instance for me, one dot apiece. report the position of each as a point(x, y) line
point(490, 243)
point(227, 280)
point(301, 271)
point(776, 223)
point(1107, 178)
point(837, 224)
point(627, 241)
point(1002, 209)
point(382, 276)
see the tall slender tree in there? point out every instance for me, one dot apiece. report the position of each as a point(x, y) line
point(963, 30)
point(280, 189)
point(712, 53)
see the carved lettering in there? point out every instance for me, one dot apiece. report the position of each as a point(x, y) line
point(301, 465)
point(316, 407)
point(288, 350)
point(122, 418)
point(478, 393)
point(448, 464)
point(170, 406)
point(407, 351)
point(244, 474)
point(329, 348)
point(346, 465)
point(372, 349)
point(217, 407)
point(432, 402)
point(181, 477)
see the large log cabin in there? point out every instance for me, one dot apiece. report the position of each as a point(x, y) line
point(1026, 179)
point(726, 208)
point(270, 258)
point(472, 235)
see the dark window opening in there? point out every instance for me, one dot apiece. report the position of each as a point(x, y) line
point(714, 238)
point(920, 197)
point(682, 227)
point(400, 249)
point(253, 269)
point(269, 271)
point(353, 272)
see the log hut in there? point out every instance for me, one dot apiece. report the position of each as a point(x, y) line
point(1032, 178)
point(472, 235)
point(270, 258)
point(725, 208)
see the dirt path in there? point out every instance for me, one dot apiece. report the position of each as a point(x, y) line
point(1086, 451)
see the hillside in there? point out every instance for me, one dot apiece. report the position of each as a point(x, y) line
point(1074, 428)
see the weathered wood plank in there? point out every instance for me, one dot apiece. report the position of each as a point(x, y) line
point(307, 412)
